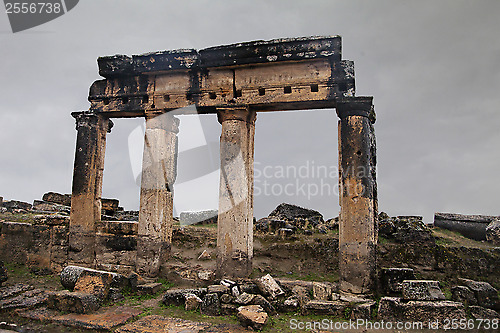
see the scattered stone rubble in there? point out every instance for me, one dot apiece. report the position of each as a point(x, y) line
point(57, 203)
point(287, 220)
point(404, 229)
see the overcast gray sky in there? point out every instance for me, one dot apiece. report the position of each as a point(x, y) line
point(433, 67)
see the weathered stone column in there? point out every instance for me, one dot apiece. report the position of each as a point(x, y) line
point(358, 194)
point(87, 185)
point(235, 220)
point(159, 170)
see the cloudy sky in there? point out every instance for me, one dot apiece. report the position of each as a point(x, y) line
point(432, 66)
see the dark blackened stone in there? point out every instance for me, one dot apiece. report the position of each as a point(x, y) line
point(211, 305)
point(392, 278)
point(121, 243)
point(57, 198)
point(178, 296)
point(4, 276)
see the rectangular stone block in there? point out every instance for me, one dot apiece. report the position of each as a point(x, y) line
point(117, 227)
point(334, 308)
point(15, 240)
point(76, 302)
point(422, 290)
point(59, 235)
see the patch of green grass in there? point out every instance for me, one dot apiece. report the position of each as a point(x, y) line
point(166, 284)
point(17, 217)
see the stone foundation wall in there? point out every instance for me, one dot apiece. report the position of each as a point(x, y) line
point(43, 245)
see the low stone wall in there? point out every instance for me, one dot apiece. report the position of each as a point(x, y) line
point(470, 226)
point(43, 244)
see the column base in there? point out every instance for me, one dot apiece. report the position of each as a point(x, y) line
point(236, 265)
point(151, 254)
point(81, 251)
point(357, 267)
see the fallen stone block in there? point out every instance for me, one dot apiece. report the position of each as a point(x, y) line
point(94, 283)
point(291, 304)
point(470, 226)
point(149, 288)
point(265, 304)
point(249, 288)
point(422, 290)
point(392, 278)
point(70, 274)
point(479, 312)
point(226, 298)
point(103, 320)
point(244, 299)
point(464, 295)
point(493, 232)
point(219, 289)
point(26, 300)
point(334, 308)
point(178, 296)
point(192, 302)
point(252, 316)
point(393, 309)
point(363, 310)
point(485, 294)
point(229, 309)
point(428, 311)
point(211, 305)
point(269, 287)
point(322, 291)
point(76, 302)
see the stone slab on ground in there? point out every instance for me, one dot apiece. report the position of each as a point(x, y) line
point(334, 308)
point(149, 288)
point(155, 324)
point(25, 300)
point(10, 291)
point(77, 302)
point(102, 320)
point(40, 314)
point(70, 274)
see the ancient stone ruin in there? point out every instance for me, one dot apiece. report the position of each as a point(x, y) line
point(235, 82)
point(130, 271)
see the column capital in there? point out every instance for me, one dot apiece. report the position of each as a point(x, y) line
point(355, 106)
point(163, 121)
point(241, 113)
point(89, 118)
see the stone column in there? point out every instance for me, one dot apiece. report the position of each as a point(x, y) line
point(358, 195)
point(87, 185)
point(235, 220)
point(159, 170)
